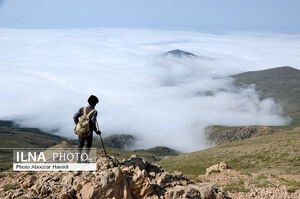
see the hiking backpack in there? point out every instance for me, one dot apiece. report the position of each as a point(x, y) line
point(82, 128)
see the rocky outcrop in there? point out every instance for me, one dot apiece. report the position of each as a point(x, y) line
point(220, 135)
point(217, 168)
point(241, 185)
point(133, 178)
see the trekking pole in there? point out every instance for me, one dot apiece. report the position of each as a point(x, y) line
point(101, 140)
point(115, 161)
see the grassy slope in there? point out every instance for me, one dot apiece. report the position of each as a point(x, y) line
point(26, 138)
point(149, 154)
point(276, 153)
point(115, 145)
point(282, 84)
point(14, 137)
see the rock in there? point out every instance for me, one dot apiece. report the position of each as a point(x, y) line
point(28, 182)
point(217, 168)
point(135, 162)
point(236, 133)
point(68, 179)
point(17, 194)
point(44, 191)
point(208, 192)
point(134, 178)
point(140, 183)
point(183, 192)
point(64, 196)
point(223, 166)
point(177, 173)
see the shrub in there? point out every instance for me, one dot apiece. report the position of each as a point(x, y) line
point(236, 187)
point(8, 187)
point(214, 171)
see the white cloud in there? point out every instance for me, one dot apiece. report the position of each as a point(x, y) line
point(46, 75)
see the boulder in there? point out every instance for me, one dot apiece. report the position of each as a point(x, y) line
point(217, 168)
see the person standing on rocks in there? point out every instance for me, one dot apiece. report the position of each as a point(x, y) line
point(85, 120)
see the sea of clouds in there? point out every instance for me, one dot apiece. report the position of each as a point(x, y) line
point(47, 75)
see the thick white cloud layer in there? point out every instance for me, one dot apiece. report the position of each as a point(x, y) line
point(46, 75)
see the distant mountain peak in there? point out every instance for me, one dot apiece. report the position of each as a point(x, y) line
point(180, 53)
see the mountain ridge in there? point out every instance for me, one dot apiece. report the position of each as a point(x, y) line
point(281, 83)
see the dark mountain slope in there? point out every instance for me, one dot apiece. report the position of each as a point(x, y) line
point(282, 84)
point(12, 136)
point(276, 153)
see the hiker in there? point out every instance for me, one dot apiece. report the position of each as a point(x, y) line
point(85, 120)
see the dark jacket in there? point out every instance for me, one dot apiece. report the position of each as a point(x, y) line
point(93, 117)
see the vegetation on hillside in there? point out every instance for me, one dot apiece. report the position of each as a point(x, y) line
point(282, 84)
point(12, 136)
point(277, 153)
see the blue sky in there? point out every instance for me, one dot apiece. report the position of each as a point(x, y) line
point(214, 15)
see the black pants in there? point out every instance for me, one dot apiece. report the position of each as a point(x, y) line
point(85, 142)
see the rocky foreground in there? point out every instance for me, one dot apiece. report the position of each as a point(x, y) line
point(133, 178)
point(249, 185)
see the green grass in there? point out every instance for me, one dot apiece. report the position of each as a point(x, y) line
point(292, 185)
point(214, 171)
point(261, 177)
point(122, 154)
point(11, 174)
point(12, 136)
point(24, 138)
point(265, 184)
point(276, 153)
point(291, 190)
point(246, 173)
point(90, 174)
point(8, 187)
point(62, 175)
point(236, 187)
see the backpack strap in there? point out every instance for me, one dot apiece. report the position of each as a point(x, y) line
point(84, 110)
point(91, 112)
